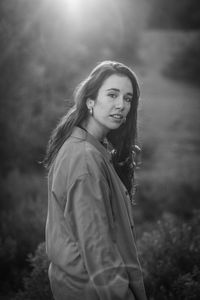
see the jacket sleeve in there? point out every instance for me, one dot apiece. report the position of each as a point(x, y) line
point(87, 203)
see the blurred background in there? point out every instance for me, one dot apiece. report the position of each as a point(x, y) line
point(47, 47)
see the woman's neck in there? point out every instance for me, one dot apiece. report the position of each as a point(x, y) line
point(94, 130)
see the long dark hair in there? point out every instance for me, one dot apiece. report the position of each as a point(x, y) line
point(122, 139)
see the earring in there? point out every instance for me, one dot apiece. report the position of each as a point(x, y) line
point(91, 111)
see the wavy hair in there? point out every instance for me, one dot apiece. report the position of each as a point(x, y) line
point(122, 139)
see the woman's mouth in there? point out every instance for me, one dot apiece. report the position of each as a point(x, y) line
point(117, 116)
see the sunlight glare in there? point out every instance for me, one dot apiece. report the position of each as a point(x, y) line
point(70, 7)
point(73, 6)
point(90, 17)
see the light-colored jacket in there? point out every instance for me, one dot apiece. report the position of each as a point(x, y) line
point(89, 231)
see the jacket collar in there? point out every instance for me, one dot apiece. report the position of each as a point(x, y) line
point(82, 134)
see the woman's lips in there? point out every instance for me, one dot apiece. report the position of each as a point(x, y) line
point(117, 116)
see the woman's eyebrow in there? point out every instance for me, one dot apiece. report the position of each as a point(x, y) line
point(117, 90)
point(113, 89)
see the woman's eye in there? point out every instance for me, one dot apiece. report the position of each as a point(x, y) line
point(112, 95)
point(128, 99)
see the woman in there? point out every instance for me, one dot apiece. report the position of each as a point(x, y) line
point(89, 231)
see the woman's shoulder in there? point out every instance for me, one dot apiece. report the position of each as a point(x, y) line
point(74, 148)
point(78, 157)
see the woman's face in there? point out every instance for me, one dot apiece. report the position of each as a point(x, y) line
point(111, 106)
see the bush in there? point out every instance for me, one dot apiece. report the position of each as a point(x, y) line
point(185, 64)
point(22, 223)
point(36, 285)
point(170, 256)
point(167, 189)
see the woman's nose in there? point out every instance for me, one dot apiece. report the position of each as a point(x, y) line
point(119, 102)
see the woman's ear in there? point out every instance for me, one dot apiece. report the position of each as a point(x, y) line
point(90, 103)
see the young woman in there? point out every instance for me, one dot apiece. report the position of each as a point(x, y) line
point(89, 231)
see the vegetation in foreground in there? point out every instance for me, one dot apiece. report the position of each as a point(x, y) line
point(170, 256)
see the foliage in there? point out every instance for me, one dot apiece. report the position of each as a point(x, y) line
point(22, 219)
point(166, 190)
point(169, 254)
point(170, 258)
point(185, 64)
point(36, 285)
point(180, 14)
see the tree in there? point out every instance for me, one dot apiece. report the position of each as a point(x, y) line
point(180, 14)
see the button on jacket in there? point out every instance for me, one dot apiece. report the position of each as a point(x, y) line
point(89, 230)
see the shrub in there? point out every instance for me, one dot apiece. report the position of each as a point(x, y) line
point(36, 285)
point(170, 255)
point(22, 222)
point(185, 65)
point(167, 189)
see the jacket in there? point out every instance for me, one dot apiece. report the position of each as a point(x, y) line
point(90, 237)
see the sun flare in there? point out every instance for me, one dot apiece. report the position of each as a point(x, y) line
point(73, 5)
